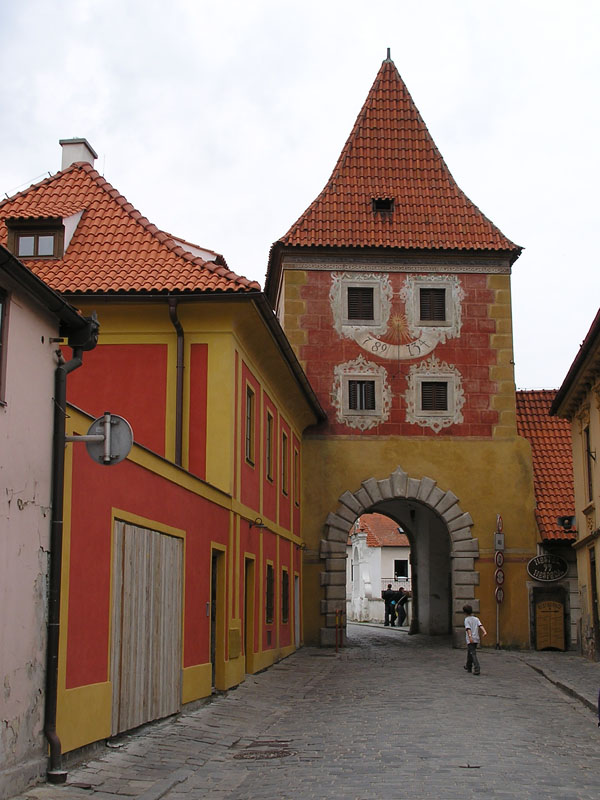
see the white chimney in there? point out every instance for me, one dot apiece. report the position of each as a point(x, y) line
point(74, 150)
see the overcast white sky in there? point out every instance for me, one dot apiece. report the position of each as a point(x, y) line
point(221, 121)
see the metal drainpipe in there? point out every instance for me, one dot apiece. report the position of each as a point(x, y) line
point(55, 772)
point(179, 389)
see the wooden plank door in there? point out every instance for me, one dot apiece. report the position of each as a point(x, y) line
point(146, 625)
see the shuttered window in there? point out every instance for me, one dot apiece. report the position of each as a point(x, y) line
point(285, 596)
point(432, 305)
point(434, 396)
point(360, 303)
point(270, 594)
point(361, 395)
point(269, 445)
point(249, 425)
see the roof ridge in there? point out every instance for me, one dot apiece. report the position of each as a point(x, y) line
point(166, 239)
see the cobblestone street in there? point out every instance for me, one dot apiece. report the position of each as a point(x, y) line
point(391, 716)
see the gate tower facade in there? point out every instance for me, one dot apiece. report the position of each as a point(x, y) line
point(394, 290)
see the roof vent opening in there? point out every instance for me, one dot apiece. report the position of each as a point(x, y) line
point(75, 150)
point(383, 204)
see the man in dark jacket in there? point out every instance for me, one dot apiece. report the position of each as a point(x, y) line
point(400, 608)
point(389, 598)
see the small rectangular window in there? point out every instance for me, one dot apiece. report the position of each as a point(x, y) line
point(249, 425)
point(36, 245)
point(361, 303)
point(361, 395)
point(434, 396)
point(285, 596)
point(432, 305)
point(269, 446)
point(35, 238)
point(270, 594)
point(383, 204)
point(588, 464)
point(400, 569)
point(296, 477)
point(284, 463)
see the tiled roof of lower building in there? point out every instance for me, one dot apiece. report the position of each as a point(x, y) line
point(381, 531)
point(550, 440)
point(113, 248)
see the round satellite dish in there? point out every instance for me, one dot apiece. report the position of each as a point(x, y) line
point(120, 439)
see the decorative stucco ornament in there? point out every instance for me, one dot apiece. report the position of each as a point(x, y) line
point(436, 420)
point(361, 369)
point(409, 338)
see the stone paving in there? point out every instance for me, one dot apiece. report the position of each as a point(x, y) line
point(391, 716)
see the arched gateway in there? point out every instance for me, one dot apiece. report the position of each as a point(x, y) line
point(380, 495)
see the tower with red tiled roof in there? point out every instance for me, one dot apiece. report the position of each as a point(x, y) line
point(394, 290)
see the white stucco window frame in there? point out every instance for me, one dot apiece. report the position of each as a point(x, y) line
point(433, 370)
point(454, 295)
point(361, 370)
point(382, 302)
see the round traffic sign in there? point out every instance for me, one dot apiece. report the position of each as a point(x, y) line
point(499, 575)
point(499, 594)
point(499, 558)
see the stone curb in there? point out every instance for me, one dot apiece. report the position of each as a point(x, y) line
point(564, 687)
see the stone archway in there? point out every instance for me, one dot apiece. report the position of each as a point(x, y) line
point(398, 486)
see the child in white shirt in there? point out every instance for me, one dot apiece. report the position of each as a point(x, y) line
point(474, 630)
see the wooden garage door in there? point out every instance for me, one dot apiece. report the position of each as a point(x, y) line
point(146, 625)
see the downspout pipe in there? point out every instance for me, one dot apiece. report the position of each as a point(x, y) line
point(179, 381)
point(55, 772)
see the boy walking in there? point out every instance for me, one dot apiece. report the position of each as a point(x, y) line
point(474, 630)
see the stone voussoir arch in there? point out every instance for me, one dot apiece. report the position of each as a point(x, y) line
point(398, 486)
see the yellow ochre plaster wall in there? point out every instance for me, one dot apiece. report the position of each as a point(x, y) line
point(489, 477)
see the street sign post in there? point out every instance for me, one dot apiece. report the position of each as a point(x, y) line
point(499, 574)
point(108, 440)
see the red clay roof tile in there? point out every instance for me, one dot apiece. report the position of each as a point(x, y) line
point(550, 440)
point(114, 248)
point(381, 531)
point(390, 154)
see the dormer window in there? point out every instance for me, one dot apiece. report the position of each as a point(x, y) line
point(35, 238)
point(384, 205)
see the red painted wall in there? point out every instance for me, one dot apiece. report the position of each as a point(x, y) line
point(138, 491)
point(471, 353)
point(197, 424)
point(128, 380)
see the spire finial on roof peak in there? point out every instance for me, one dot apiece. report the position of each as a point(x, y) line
point(388, 57)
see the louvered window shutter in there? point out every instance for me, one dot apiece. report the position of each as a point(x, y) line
point(433, 305)
point(360, 302)
point(361, 395)
point(434, 396)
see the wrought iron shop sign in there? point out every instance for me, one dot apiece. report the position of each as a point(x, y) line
point(547, 567)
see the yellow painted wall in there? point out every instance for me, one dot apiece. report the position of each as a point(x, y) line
point(488, 477)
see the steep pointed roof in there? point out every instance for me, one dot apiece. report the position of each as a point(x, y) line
point(550, 440)
point(390, 155)
point(113, 248)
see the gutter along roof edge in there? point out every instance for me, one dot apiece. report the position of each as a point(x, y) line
point(264, 308)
